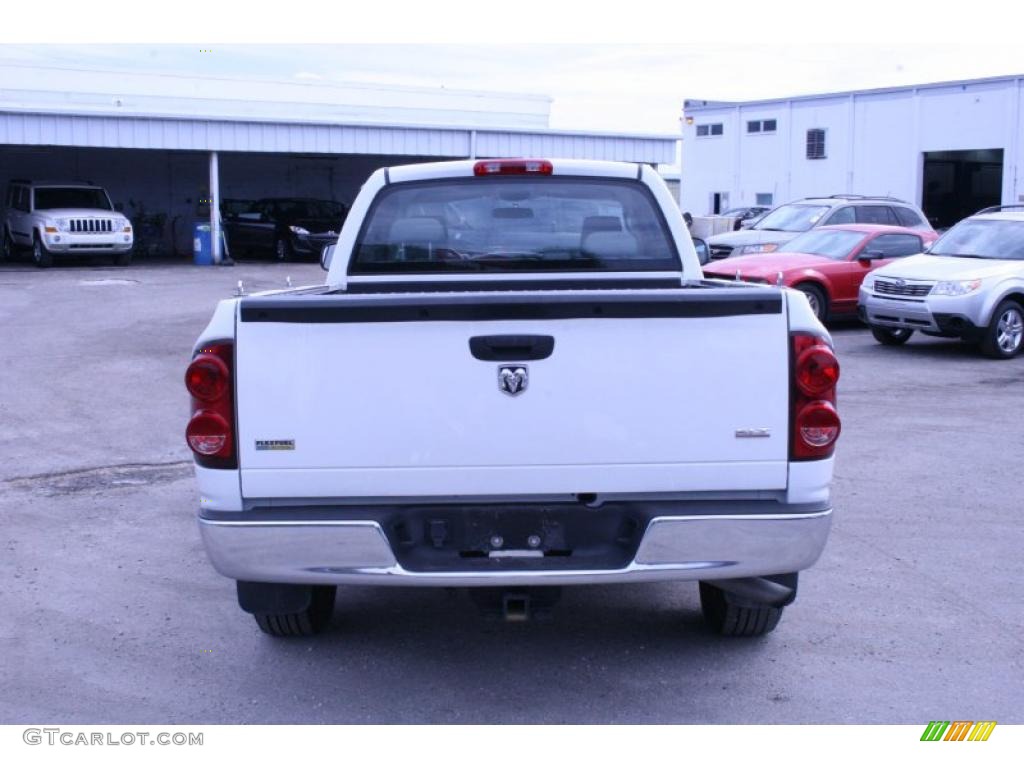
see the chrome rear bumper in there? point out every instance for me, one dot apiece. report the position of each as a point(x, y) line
point(685, 547)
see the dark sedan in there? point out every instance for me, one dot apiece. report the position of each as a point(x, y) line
point(287, 227)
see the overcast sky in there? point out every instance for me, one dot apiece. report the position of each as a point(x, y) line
point(599, 87)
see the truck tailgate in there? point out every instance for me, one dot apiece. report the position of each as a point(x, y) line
point(381, 396)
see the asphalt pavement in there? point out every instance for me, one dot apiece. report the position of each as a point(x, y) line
point(110, 611)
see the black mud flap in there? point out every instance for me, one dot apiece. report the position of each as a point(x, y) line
point(260, 597)
point(776, 591)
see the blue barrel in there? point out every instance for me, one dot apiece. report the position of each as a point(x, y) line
point(202, 253)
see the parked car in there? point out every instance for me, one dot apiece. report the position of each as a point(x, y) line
point(827, 263)
point(52, 219)
point(232, 206)
point(490, 397)
point(969, 285)
point(286, 227)
point(743, 215)
point(787, 221)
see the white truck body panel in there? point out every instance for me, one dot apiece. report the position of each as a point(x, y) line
point(404, 409)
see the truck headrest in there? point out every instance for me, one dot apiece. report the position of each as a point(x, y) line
point(418, 230)
point(610, 245)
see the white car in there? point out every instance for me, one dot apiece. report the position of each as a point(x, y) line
point(502, 384)
point(52, 219)
point(774, 229)
point(968, 285)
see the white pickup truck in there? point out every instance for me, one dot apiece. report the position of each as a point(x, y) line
point(514, 377)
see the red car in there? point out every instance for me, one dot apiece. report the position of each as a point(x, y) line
point(827, 263)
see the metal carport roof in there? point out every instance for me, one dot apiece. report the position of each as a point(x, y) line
point(227, 135)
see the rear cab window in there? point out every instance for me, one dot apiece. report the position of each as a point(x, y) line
point(559, 223)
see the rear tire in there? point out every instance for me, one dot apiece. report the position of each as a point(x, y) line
point(1004, 336)
point(306, 623)
point(731, 616)
point(42, 257)
point(891, 337)
point(817, 299)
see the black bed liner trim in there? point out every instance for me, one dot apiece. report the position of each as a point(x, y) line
point(511, 284)
point(482, 306)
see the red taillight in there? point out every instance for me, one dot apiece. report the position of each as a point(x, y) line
point(815, 423)
point(518, 167)
point(211, 430)
point(206, 377)
point(817, 370)
point(207, 433)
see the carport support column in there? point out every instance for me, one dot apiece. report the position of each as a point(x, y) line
point(215, 209)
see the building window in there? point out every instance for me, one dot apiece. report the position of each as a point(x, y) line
point(815, 143)
point(763, 198)
point(709, 129)
point(761, 126)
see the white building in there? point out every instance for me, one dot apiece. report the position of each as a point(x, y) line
point(163, 144)
point(952, 148)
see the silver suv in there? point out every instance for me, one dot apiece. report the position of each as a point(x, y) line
point(969, 284)
point(55, 218)
point(781, 225)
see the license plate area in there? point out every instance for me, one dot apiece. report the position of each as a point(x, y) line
point(516, 537)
